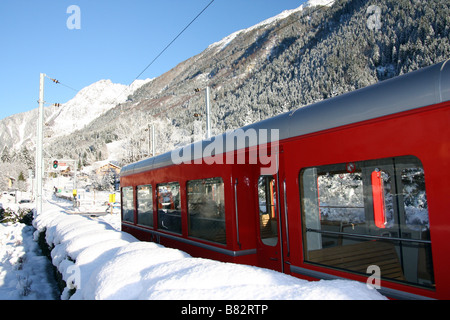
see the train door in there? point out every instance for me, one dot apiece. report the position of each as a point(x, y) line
point(400, 212)
point(269, 235)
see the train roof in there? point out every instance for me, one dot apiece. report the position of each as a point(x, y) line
point(427, 86)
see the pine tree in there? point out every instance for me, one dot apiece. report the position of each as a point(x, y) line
point(6, 157)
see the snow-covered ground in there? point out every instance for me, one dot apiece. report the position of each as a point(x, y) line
point(24, 272)
point(98, 261)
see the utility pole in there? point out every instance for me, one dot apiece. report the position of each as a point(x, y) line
point(208, 122)
point(153, 140)
point(149, 138)
point(39, 146)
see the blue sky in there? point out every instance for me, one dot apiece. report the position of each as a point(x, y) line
point(117, 39)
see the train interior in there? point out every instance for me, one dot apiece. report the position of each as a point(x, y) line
point(369, 213)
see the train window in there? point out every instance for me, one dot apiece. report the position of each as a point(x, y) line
point(145, 205)
point(169, 207)
point(206, 209)
point(369, 213)
point(267, 210)
point(128, 204)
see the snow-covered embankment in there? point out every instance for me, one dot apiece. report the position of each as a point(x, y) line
point(100, 262)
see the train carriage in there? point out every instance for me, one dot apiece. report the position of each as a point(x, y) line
point(353, 187)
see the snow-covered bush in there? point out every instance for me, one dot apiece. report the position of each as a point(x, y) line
point(22, 215)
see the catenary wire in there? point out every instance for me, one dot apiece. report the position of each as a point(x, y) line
point(185, 28)
point(156, 58)
point(303, 16)
point(174, 39)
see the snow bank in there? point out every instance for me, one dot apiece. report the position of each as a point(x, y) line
point(104, 263)
point(24, 272)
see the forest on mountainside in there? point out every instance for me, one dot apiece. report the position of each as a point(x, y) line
point(314, 54)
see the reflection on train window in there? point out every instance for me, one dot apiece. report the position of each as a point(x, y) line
point(169, 207)
point(369, 213)
point(267, 210)
point(145, 205)
point(206, 209)
point(128, 204)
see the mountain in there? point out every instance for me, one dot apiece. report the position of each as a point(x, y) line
point(289, 61)
point(90, 103)
point(18, 132)
point(299, 57)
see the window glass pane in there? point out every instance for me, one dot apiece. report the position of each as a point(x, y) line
point(415, 199)
point(374, 214)
point(341, 197)
point(145, 205)
point(267, 210)
point(169, 207)
point(206, 209)
point(127, 204)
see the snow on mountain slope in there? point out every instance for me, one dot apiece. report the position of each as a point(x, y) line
point(19, 130)
point(311, 3)
point(89, 104)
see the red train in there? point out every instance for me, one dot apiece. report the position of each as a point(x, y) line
point(353, 187)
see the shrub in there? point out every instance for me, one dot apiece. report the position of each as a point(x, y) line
point(23, 216)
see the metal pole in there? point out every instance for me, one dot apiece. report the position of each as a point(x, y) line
point(149, 139)
point(39, 146)
point(75, 182)
point(208, 122)
point(153, 140)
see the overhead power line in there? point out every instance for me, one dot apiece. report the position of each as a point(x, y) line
point(174, 39)
point(304, 14)
point(68, 87)
point(59, 82)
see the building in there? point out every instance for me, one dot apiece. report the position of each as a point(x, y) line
point(107, 168)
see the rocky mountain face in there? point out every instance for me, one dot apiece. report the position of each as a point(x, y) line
point(286, 62)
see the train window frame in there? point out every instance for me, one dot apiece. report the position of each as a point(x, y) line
point(340, 241)
point(127, 209)
point(268, 222)
point(213, 217)
point(169, 219)
point(144, 217)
